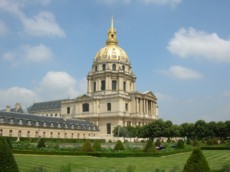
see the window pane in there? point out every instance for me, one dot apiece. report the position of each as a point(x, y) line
point(108, 127)
point(114, 85)
point(103, 85)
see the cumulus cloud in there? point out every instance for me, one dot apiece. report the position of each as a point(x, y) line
point(29, 54)
point(13, 95)
point(42, 24)
point(181, 72)
point(60, 85)
point(53, 86)
point(3, 28)
point(194, 43)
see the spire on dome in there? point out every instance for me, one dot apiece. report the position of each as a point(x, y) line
point(112, 35)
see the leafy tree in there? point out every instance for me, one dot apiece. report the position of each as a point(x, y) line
point(97, 145)
point(119, 146)
point(149, 147)
point(158, 142)
point(7, 161)
point(86, 147)
point(41, 143)
point(196, 161)
point(200, 129)
point(186, 130)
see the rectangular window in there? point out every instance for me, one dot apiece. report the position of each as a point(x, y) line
point(94, 86)
point(10, 133)
point(85, 107)
point(103, 85)
point(126, 106)
point(108, 128)
point(124, 86)
point(28, 134)
point(108, 106)
point(1, 131)
point(68, 110)
point(114, 85)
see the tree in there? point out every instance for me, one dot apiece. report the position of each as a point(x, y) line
point(180, 144)
point(200, 129)
point(7, 161)
point(119, 146)
point(186, 130)
point(86, 147)
point(41, 143)
point(196, 161)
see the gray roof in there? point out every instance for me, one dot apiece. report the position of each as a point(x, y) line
point(20, 110)
point(20, 119)
point(41, 106)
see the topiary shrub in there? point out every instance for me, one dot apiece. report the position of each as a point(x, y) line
point(97, 145)
point(41, 143)
point(86, 147)
point(180, 144)
point(7, 161)
point(149, 147)
point(119, 146)
point(196, 161)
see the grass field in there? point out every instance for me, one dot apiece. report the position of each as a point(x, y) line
point(215, 158)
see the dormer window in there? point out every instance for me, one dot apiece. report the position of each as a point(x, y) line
point(2, 120)
point(20, 122)
point(28, 122)
point(37, 123)
point(11, 121)
point(66, 126)
point(72, 126)
point(44, 124)
point(51, 124)
point(59, 125)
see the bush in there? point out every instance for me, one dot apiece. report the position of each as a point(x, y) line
point(7, 161)
point(97, 145)
point(195, 143)
point(149, 147)
point(86, 147)
point(212, 141)
point(119, 146)
point(188, 142)
point(196, 161)
point(41, 143)
point(180, 144)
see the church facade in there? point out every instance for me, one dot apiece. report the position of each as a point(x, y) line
point(112, 99)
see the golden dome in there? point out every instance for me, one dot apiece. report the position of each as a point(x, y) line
point(111, 51)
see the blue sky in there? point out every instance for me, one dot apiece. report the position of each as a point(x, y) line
point(179, 49)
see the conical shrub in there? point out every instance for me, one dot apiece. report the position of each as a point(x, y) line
point(119, 146)
point(86, 147)
point(149, 147)
point(7, 161)
point(196, 162)
point(41, 143)
point(97, 145)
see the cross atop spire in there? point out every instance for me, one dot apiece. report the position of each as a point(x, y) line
point(112, 25)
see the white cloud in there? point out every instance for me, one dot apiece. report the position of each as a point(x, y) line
point(37, 54)
point(58, 85)
point(29, 54)
point(193, 43)
point(3, 28)
point(53, 86)
point(181, 72)
point(42, 24)
point(172, 3)
point(13, 95)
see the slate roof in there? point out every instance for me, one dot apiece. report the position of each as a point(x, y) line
point(20, 119)
point(43, 106)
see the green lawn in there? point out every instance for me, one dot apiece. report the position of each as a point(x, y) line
point(215, 158)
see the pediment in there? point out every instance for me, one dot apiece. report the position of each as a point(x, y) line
point(150, 93)
point(84, 97)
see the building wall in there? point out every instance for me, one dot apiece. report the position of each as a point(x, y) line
point(35, 132)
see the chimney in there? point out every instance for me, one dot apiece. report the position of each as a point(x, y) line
point(8, 108)
point(17, 107)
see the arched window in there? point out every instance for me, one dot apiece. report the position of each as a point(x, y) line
point(123, 67)
point(103, 67)
point(114, 67)
point(95, 68)
point(85, 107)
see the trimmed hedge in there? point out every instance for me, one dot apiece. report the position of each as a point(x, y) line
point(215, 148)
point(7, 161)
point(196, 162)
